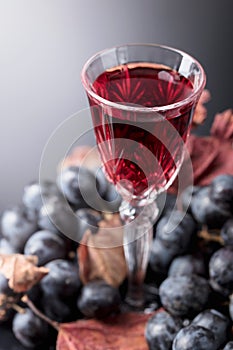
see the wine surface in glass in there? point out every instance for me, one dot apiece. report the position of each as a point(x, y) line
point(143, 156)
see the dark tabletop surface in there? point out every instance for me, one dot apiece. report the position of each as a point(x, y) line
point(8, 341)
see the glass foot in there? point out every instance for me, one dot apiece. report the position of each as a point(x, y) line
point(138, 232)
point(150, 300)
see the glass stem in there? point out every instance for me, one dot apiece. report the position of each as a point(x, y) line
point(138, 232)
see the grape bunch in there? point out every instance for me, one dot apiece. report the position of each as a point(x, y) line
point(189, 276)
point(196, 286)
point(49, 223)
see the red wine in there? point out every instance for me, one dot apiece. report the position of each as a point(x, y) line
point(141, 151)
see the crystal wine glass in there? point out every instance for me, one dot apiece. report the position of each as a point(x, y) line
point(142, 99)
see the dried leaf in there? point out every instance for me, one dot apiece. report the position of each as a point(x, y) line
point(101, 255)
point(223, 125)
point(210, 157)
point(121, 332)
point(6, 303)
point(204, 153)
point(200, 113)
point(21, 270)
point(3, 307)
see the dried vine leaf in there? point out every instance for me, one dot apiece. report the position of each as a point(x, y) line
point(215, 158)
point(223, 125)
point(121, 332)
point(6, 303)
point(21, 270)
point(101, 255)
point(200, 113)
point(210, 155)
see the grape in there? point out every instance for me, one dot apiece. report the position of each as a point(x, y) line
point(165, 202)
point(221, 271)
point(88, 219)
point(186, 197)
point(221, 191)
point(161, 329)
point(46, 246)
point(35, 295)
point(170, 203)
point(36, 193)
point(102, 182)
point(160, 257)
point(187, 265)
point(229, 346)
point(59, 310)
point(112, 199)
point(17, 227)
point(206, 211)
point(75, 182)
point(98, 299)
point(60, 289)
point(227, 232)
point(6, 247)
point(57, 216)
point(176, 231)
point(184, 295)
point(215, 322)
point(62, 279)
point(194, 337)
point(30, 330)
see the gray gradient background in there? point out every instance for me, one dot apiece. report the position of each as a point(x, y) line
point(44, 44)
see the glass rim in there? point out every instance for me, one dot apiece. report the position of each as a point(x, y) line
point(127, 107)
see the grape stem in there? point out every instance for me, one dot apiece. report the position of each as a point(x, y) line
point(38, 313)
point(18, 308)
point(210, 237)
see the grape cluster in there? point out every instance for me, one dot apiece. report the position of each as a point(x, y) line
point(196, 287)
point(174, 235)
point(49, 223)
point(190, 271)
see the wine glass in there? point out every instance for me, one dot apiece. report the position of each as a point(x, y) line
point(142, 99)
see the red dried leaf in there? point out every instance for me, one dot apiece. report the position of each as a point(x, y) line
point(204, 152)
point(21, 270)
point(101, 255)
point(200, 113)
point(211, 155)
point(223, 125)
point(121, 332)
